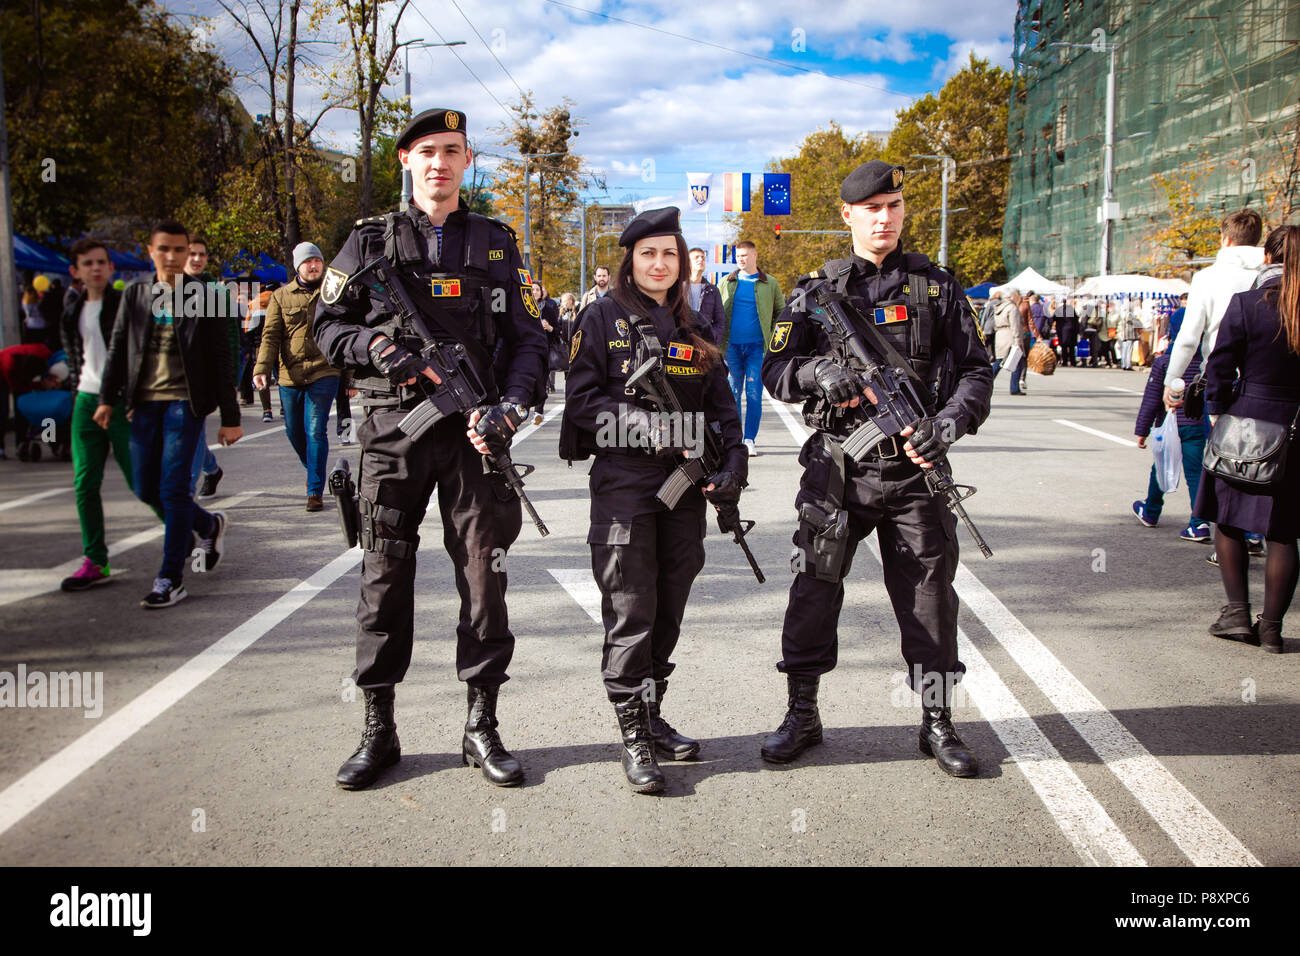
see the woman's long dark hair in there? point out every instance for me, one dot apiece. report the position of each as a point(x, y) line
point(1283, 245)
point(633, 300)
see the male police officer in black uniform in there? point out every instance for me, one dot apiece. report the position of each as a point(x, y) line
point(921, 311)
point(465, 276)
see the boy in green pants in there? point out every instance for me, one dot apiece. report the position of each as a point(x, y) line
point(86, 328)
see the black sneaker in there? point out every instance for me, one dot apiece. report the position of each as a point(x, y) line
point(208, 486)
point(164, 594)
point(212, 545)
point(1255, 546)
point(266, 417)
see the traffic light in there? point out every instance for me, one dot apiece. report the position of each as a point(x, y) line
point(777, 227)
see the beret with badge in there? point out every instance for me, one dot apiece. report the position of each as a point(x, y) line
point(431, 121)
point(869, 179)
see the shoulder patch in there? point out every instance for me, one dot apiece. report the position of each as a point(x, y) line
point(780, 336)
point(577, 343)
point(371, 221)
point(331, 288)
point(526, 293)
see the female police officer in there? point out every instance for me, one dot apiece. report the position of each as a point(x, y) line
point(645, 555)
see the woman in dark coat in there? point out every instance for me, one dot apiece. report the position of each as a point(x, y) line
point(1254, 372)
point(555, 350)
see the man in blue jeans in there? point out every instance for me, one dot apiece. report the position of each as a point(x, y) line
point(170, 359)
point(308, 383)
point(750, 300)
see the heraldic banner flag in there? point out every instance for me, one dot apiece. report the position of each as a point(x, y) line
point(735, 192)
point(699, 183)
point(776, 194)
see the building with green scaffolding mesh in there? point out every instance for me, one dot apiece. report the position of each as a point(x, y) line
point(1205, 91)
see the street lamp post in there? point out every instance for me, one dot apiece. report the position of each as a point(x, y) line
point(948, 165)
point(419, 45)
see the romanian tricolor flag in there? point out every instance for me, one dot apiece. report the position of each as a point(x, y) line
point(724, 255)
point(735, 192)
point(890, 313)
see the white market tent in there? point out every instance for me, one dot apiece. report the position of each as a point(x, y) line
point(1138, 286)
point(1033, 281)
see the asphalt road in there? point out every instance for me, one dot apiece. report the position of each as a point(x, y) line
point(1111, 729)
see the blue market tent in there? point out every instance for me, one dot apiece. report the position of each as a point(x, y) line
point(122, 262)
point(981, 291)
point(33, 257)
point(264, 268)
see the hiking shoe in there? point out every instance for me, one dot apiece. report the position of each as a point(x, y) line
point(208, 487)
point(212, 545)
point(1200, 533)
point(1255, 545)
point(1140, 512)
point(164, 594)
point(87, 576)
point(266, 417)
point(1233, 624)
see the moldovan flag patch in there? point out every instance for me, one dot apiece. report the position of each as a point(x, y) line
point(890, 313)
point(680, 352)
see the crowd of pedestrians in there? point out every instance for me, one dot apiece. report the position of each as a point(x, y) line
point(133, 370)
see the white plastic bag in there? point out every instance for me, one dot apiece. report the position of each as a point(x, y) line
point(1168, 451)
point(1013, 358)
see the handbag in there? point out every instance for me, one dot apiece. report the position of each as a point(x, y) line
point(1249, 451)
point(1194, 397)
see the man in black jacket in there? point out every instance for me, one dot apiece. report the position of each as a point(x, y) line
point(170, 361)
point(85, 330)
point(705, 297)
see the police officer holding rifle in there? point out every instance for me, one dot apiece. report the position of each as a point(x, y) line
point(882, 349)
point(647, 396)
point(433, 311)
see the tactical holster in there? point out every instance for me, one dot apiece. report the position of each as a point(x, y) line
point(823, 534)
point(371, 515)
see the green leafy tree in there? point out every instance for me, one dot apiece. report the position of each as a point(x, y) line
point(966, 121)
point(116, 113)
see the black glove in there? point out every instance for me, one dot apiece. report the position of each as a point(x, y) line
point(726, 490)
point(497, 424)
point(837, 383)
point(932, 438)
point(728, 517)
point(645, 430)
point(399, 365)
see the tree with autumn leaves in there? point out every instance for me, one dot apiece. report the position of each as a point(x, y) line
point(966, 120)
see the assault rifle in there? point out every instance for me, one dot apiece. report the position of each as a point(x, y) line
point(652, 379)
point(898, 404)
point(460, 389)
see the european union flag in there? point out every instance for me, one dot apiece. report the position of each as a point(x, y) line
point(776, 194)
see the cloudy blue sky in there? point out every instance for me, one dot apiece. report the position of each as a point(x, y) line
point(670, 87)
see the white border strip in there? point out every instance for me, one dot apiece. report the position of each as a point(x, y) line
point(1092, 431)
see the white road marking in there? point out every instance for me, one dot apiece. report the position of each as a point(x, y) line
point(582, 588)
point(1197, 832)
point(1116, 388)
point(794, 426)
point(29, 499)
point(247, 438)
point(23, 583)
point(35, 787)
point(1092, 431)
point(1083, 820)
point(48, 778)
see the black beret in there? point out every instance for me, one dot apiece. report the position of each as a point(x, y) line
point(431, 121)
point(652, 222)
point(871, 178)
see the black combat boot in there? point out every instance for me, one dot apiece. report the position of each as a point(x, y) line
point(379, 748)
point(1269, 634)
point(939, 740)
point(1233, 624)
point(668, 742)
point(482, 744)
point(802, 726)
point(643, 773)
